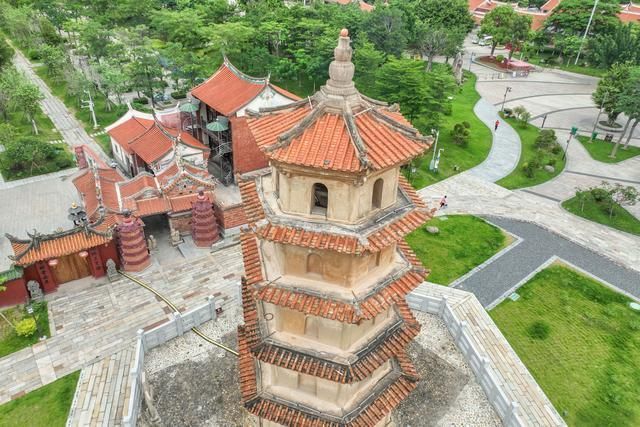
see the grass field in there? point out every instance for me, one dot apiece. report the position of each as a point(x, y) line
point(599, 150)
point(10, 342)
point(581, 342)
point(517, 178)
point(456, 159)
point(47, 406)
point(621, 219)
point(463, 243)
point(62, 159)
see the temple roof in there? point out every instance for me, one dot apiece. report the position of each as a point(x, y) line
point(39, 247)
point(337, 128)
point(229, 89)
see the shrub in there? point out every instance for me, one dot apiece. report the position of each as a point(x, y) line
point(141, 100)
point(26, 327)
point(178, 95)
point(466, 124)
point(600, 194)
point(500, 58)
point(552, 162)
point(33, 54)
point(539, 330)
point(546, 139)
point(527, 170)
point(556, 149)
point(460, 135)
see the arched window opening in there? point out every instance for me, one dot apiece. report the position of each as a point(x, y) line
point(376, 197)
point(320, 199)
point(315, 265)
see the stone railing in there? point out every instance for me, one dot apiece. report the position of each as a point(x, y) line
point(176, 327)
point(489, 371)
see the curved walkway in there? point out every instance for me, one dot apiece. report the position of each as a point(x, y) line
point(505, 150)
point(499, 278)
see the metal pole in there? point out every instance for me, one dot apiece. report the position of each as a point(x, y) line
point(544, 119)
point(586, 31)
point(604, 99)
point(471, 60)
point(435, 148)
point(564, 156)
point(505, 97)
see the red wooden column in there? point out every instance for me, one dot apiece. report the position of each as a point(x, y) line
point(132, 245)
point(204, 228)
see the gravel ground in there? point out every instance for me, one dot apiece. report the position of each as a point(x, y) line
point(195, 384)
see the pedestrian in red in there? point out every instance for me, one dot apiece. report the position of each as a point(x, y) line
point(496, 126)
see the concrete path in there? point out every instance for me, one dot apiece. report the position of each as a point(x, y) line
point(505, 150)
point(102, 319)
point(471, 195)
point(71, 130)
point(497, 279)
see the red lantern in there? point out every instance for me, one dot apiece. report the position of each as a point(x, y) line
point(53, 262)
point(83, 254)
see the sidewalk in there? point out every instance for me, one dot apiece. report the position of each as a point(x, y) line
point(505, 149)
point(70, 129)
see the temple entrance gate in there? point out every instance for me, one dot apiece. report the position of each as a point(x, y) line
point(71, 267)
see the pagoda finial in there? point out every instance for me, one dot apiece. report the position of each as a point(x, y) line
point(342, 69)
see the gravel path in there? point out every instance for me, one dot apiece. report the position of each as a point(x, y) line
point(538, 246)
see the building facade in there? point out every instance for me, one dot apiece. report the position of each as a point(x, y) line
point(326, 323)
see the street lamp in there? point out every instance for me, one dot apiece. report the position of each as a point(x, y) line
point(432, 165)
point(77, 215)
point(586, 31)
point(91, 106)
point(504, 99)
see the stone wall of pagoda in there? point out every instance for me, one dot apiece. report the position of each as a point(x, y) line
point(296, 193)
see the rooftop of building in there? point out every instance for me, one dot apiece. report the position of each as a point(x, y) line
point(229, 89)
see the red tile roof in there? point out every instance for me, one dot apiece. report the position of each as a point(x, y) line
point(251, 201)
point(247, 156)
point(153, 206)
point(131, 129)
point(228, 89)
point(187, 139)
point(152, 145)
point(326, 142)
point(43, 247)
point(138, 184)
point(100, 191)
point(184, 203)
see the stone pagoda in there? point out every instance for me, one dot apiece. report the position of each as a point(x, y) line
point(132, 245)
point(204, 228)
point(326, 322)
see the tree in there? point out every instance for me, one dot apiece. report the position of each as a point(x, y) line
point(610, 86)
point(621, 45)
point(499, 24)
point(454, 15)
point(629, 103)
point(623, 196)
point(386, 29)
point(26, 97)
point(95, 38)
point(28, 153)
point(431, 41)
point(582, 196)
point(6, 53)
point(460, 134)
point(54, 60)
point(572, 16)
point(367, 60)
point(568, 46)
point(518, 32)
point(522, 115)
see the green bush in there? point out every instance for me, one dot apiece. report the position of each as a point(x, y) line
point(460, 134)
point(539, 330)
point(141, 100)
point(178, 95)
point(26, 327)
point(500, 58)
point(546, 139)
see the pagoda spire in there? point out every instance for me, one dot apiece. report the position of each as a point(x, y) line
point(204, 228)
point(132, 245)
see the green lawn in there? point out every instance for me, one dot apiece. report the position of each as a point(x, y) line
point(621, 218)
point(10, 342)
point(600, 150)
point(581, 342)
point(105, 143)
point(46, 129)
point(47, 406)
point(104, 117)
point(517, 178)
point(455, 159)
point(463, 243)
point(578, 69)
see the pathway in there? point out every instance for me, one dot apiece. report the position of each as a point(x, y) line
point(91, 324)
point(71, 130)
point(505, 149)
point(494, 282)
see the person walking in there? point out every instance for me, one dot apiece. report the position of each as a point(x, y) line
point(443, 202)
point(496, 126)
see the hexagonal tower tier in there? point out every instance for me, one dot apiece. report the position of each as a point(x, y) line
point(326, 323)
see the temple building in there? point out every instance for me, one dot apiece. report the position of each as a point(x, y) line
point(326, 322)
point(140, 143)
point(222, 101)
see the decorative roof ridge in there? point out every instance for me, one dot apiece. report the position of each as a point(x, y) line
point(374, 101)
point(291, 106)
point(285, 139)
point(356, 139)
point(251, 79)
point(36, 238)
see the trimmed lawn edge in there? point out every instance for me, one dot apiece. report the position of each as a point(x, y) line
point(634, 223)
point(599, 150)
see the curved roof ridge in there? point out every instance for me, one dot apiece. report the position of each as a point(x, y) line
point(255, 80)
point(356, 139)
